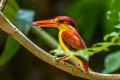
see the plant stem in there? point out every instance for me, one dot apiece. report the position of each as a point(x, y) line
point(41, 34)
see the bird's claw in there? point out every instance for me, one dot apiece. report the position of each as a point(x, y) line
point(62, 59)
point(77, 65)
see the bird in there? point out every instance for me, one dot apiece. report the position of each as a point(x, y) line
point(68, 37)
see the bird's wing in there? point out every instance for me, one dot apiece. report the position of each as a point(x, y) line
point(73, 39)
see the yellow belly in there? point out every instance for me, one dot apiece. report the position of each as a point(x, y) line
point(62, 43)
point(66, 48)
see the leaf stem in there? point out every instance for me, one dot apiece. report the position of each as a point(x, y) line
point(41, 34)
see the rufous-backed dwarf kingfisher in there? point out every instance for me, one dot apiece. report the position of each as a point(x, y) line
point(68, 36)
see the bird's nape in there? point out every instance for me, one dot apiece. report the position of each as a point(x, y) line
point(69, 20)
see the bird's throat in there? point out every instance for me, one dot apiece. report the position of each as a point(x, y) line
point(65, 27)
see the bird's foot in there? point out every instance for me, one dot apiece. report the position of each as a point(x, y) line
point(62, 59)
point(77, 65)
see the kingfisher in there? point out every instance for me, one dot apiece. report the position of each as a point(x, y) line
point(68, 37)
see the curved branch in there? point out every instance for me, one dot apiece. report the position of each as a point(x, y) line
point(9, 28)
point(2, 5)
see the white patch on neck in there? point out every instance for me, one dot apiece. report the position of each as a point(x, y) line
point(71, 27)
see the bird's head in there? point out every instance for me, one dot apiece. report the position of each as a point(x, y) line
point(62, 22)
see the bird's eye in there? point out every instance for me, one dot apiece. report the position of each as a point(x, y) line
point(60, 21)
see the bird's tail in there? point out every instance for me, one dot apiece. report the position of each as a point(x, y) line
point(83, 63)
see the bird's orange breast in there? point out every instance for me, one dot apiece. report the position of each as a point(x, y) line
point(73, 39)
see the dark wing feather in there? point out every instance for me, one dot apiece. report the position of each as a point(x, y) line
point(73, 39)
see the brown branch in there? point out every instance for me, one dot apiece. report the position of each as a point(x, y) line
point(2, 5)
point(9, 28)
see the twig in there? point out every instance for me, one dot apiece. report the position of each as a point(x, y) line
point(9, 28)
point(45, 37)
point(2, 5)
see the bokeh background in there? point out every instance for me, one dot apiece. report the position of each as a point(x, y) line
point(94, 18)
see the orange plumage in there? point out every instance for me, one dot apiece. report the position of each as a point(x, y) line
point(73, 38)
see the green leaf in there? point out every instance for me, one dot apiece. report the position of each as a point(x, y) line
point(23, 22)
point(58, 52)
point(114, 36)
point(11, 9)
point(117, 26)
point(112, 62)
point(103, 46)
point(84, 54)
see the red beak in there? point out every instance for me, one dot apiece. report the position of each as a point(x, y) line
point(45, 23)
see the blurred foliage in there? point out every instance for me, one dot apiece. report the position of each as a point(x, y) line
point(11, 9)
point(112, 17)
point(87, 14)
point(112, 62)
point(94, 18)
point(23, 22)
